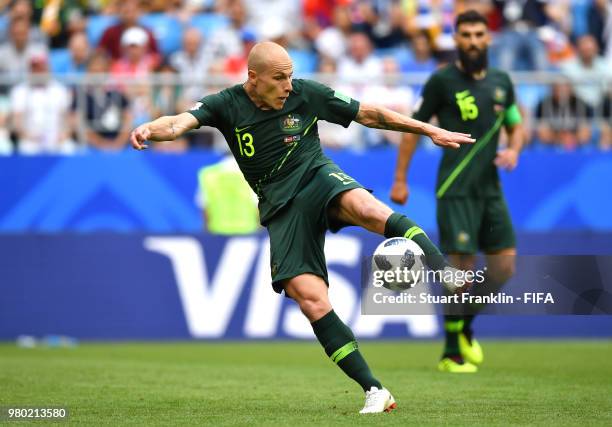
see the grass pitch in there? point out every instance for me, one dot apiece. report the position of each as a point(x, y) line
point(535, 383)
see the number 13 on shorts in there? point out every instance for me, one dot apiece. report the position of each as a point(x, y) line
point(342, 177)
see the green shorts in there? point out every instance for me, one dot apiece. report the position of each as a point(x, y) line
point(297, 231)
point(468, 225)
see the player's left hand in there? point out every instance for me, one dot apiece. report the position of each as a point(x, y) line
point(445, 138)
point(507, 159)
point(139, 136)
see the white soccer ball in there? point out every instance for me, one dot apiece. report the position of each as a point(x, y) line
point(397, 264)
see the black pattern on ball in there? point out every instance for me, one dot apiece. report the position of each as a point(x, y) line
point(407, 260)
point(382, 262)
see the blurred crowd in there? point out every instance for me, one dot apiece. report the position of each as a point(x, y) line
point(78, 75)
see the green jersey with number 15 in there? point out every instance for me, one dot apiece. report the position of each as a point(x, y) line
point(276, 149)
point(477, 107)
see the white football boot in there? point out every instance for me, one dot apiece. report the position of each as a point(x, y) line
point(378, 401)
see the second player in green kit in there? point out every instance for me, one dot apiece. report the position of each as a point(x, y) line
point(472, 215)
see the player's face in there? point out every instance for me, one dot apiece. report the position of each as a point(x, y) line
point(472, 38)
point(273, 85)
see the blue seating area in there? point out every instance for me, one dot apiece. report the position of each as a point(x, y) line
point(59, 60)
point(3, 22)
point(580, 9)
point(208, 23)
point(304, 62)
point(96, 25)
point(530, 95)
point(168, 31)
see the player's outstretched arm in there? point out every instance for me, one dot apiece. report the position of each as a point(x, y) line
point(165, 128)
point(374, 116)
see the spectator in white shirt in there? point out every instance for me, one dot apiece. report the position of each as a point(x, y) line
point(22, 10)
point(588, 71)
point(262, 12)
point(360, 65)
point(40, 110)
point(16, 52)
point(331, 42)
point(332, 136)
point(227, 41)
point(192, 64)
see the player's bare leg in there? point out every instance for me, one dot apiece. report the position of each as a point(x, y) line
point(359, 207)
point(501, 264)
point(337, 339)
point(310, 293)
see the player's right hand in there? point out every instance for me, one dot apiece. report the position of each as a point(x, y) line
point(445, 138)
point(400, 192)
point(139, 136)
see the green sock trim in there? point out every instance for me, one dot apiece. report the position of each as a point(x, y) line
point(398, 225)
point(453, 325)
point(413, 231)
point(343, 351)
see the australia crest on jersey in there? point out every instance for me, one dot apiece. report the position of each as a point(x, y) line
point(499, 99)
point(499, 95)
point(291, 123)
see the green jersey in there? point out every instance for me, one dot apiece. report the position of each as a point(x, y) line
point(477, 107)
point(277, 151)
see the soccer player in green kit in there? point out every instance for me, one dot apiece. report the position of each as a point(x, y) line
point(472, 215)
point(270, 125)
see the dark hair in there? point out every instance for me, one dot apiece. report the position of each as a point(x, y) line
point(470, 17)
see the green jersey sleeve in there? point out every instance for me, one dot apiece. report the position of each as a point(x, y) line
point(330, 105)
point(512, 115)
point(210, 110)
point(429, 103)
point(510, 97)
